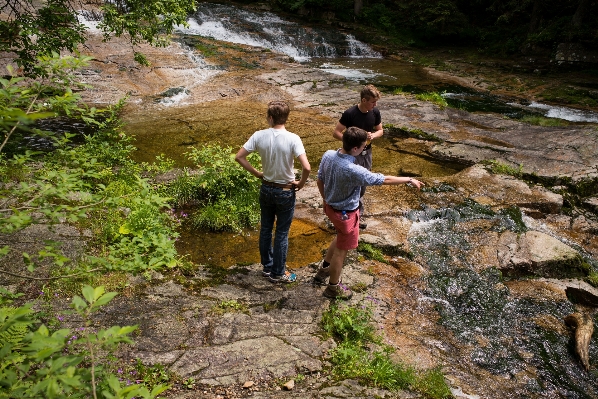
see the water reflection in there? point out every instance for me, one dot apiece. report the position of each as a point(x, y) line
point(306, 243)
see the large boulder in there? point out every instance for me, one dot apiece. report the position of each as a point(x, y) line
point(537, 254)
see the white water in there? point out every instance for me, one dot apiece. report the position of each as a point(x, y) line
point(568, 114)
point(349, 73)
point(267, 30)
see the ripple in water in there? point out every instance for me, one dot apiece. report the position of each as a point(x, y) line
point(506, 335)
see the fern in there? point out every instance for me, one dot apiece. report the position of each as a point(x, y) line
point(13, 326)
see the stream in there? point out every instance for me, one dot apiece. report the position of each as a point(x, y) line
point(502, 343)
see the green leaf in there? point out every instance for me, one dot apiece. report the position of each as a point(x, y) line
point(88, 293)
point(104, 299)
point(124, 229)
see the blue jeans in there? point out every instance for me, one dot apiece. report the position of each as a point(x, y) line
point(279, 204)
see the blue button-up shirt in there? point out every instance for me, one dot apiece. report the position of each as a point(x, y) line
point(343, 179)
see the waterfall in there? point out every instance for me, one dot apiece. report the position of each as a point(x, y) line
point(231, 24)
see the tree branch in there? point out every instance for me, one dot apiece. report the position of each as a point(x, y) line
point(48, 278)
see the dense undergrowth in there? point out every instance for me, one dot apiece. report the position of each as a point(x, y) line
point(128, 224)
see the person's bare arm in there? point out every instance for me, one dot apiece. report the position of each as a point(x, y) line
point(377, 132)
point(338, 131)
point(241, 157)
point(393, 180)
point(306, 168)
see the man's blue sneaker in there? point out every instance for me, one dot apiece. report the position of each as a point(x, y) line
point(286, 278)
point(265, 273)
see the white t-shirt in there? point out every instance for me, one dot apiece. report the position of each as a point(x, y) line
point(278, 149)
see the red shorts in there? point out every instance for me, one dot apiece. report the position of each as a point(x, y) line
point(347, 231)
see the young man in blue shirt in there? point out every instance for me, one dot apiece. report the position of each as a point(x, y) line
point(340, 181)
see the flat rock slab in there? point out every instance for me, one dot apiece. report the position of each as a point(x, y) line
point(274, 332)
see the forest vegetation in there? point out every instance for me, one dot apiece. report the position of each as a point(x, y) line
point(497, 27)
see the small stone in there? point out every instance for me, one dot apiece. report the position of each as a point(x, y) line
point(289, 385)
point(248, 384)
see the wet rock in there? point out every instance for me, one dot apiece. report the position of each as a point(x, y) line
point(591, 203)
point(495, 190)
point(583, 294)
point(585, 225)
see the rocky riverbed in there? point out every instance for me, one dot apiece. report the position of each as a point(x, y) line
point(276, 337)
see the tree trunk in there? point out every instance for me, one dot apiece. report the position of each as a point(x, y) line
point(357, 6)
point(534, 23)
point(584, 328)
point(580, 13)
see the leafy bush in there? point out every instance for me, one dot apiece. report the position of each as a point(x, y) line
point(226, 195)
point(42, 363)
point(93, 185)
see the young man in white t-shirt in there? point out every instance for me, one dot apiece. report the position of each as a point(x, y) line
point(278, 149)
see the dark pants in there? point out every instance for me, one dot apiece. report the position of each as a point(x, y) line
point(276, 204)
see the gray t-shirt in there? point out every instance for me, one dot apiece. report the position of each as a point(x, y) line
point(342, 180)
point(278, 149)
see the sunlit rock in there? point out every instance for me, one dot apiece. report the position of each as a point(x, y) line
point(538, 254)
point(496, 190)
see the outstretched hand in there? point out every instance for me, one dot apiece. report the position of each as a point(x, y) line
point(415, 183)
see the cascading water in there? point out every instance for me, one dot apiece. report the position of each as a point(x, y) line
point(478, 308)
point(231, 24)
point(346, 56)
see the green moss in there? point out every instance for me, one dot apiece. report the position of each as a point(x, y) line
point(407, 132)
point(513, 213)
point(499, 168)
point(543, 121)
point(570, 95)
point(593, 279)
point(370, 252)
point(230, 306)
point(433, 97)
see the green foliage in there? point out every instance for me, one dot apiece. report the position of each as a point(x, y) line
point(64, 363)
point(38, 29)
point(348, 323)
point(371, 252)
point(93, 185)
point(153, 375)
point(24, 101)
point(433, 97)
point(226, 194)
point(12, 334)
point(355, 356)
